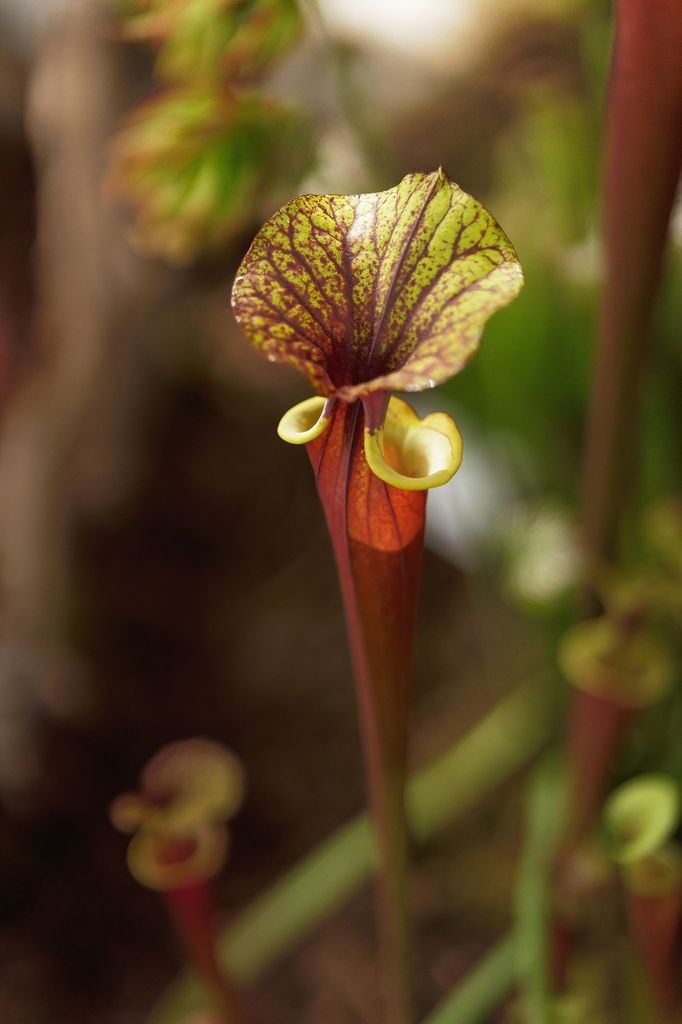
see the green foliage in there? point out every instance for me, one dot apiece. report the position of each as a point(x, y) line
point(482, 990)
point(192, 163)
point(206, 41)
point(640, 816)
point(532, 375)
point(545, 803)
point(195, 161)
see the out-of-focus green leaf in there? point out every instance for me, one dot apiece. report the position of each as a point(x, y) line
point(201, 41)
point(641, 815)
point(481, 990)
point(192, 163)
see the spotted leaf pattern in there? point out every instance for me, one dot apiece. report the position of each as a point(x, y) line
point(377, 292)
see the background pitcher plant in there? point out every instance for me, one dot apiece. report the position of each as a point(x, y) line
point(365, 295)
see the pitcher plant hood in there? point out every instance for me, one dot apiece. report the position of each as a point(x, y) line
point(374, 293)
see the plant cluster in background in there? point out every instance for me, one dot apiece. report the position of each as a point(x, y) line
point(194, 159)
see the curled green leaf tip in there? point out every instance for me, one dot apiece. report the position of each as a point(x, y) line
point(641, 815)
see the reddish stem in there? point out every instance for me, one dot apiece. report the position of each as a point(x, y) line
point(642, 161)
point(597, 726)
point(191, 911)
point(596, 729)
point(655, 928)
point(377, 535)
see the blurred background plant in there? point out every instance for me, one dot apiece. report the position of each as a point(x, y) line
point(195, 161)
point(192, 165)
point(210, 42)
point(162, 558)
point(189, 789)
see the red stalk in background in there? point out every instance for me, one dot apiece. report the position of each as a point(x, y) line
point(655, 927)
point(596, 730)
point(190, 908)
point(642, 161)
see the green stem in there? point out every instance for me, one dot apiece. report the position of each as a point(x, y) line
point(482, 990)
point(533, 904)
point(505, 740)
